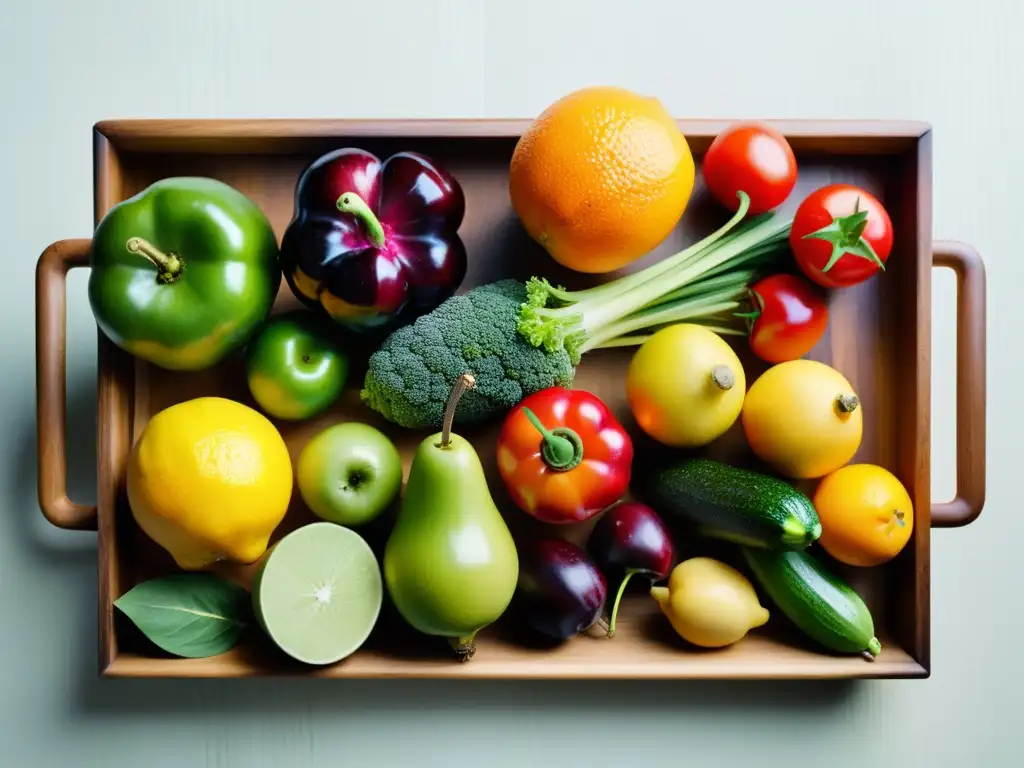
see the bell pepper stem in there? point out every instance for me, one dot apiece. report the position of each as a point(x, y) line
point(465, 381)
point(169, 265)
point(561, 449)
point(353, 204)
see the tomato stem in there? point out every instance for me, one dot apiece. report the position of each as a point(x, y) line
point(846, 234)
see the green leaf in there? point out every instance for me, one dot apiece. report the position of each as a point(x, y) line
point(863, 249)
point(192, 615)
point(837, 254)
point(833, 233)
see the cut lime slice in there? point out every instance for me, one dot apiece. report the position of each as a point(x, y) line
point(318, 593)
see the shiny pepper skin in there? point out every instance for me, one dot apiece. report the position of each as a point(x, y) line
point(563, 456)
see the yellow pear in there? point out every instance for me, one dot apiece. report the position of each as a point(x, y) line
point(709, 603)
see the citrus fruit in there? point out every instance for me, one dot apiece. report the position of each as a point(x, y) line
point(866, 514)
point(601, 177)
point(685, 386)
point(709, 603)
point(802, 418)
point(318, 593)
point(209, 479)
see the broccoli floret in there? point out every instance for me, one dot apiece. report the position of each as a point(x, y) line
point(410, 377)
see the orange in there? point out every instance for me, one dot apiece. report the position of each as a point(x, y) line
point(601, 177)
point(866, 514)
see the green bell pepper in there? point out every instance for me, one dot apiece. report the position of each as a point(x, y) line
point(183, 272)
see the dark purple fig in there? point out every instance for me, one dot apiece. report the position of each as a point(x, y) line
point(560, 592)
point(630, 539)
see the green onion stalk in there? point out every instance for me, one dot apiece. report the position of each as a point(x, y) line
point(705, 283)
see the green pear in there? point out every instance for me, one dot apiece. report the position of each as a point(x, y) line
point(450, 564)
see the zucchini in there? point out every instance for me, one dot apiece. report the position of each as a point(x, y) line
point(737, 505)
point(823, 606)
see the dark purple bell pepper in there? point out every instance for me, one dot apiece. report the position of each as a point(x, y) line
point(374, 244)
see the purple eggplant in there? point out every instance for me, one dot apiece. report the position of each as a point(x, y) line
point(630, 539)
point(561, 593)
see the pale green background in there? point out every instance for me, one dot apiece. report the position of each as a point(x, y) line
point(64, 65)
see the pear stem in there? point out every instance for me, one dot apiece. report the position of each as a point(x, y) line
point(465, 381)
point(464, 646)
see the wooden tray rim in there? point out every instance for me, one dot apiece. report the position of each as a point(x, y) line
point(263, 135)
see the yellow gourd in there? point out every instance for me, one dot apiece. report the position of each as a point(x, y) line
point(802, 418)
point(685, 386)
point(709, 603)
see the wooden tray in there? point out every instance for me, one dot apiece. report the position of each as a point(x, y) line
point(879, 337)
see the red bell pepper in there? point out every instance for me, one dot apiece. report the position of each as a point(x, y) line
point(563, 456)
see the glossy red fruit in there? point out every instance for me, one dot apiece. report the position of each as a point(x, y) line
point(788, 316)
point(563, 455)
point(754, 158)
point(561, 592)
point(374, 244)
point(630, 539)
point(841, 235)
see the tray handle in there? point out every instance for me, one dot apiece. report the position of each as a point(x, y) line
point(970, 384)
point(51, 387)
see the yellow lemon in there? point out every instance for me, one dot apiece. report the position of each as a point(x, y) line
point(709, 603)
point(210, 479)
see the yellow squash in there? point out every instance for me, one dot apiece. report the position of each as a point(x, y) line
point(209, 479)
point(685, 386)
point(803, 418)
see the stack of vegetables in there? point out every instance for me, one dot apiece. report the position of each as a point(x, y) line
point(184, 277)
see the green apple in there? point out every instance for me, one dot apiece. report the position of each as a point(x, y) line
point(349, 473)
point(293, 367)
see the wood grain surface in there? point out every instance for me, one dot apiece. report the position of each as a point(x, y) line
point(890, 373)
point(970, 385)
point(51, 386)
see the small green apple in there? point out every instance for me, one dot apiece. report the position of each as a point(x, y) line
point(349, 473)
point(293, 367)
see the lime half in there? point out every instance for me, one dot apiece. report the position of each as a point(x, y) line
point(318, 593)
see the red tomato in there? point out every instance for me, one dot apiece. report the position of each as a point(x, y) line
point(754, 158)
point(841, 235)
point(789, 317)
